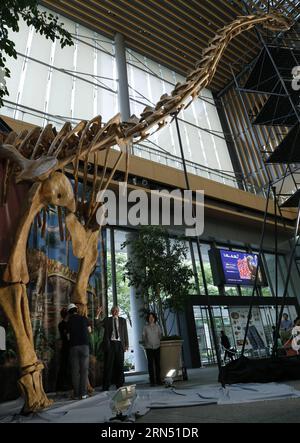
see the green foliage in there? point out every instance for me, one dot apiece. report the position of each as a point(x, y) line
point(128, 365)
point(44, 343)
point(11, 11)
point(158, 271)
point(121, 283)
point(212, 290)
point(96, 338)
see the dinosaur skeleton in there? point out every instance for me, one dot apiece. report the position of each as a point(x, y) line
point(40, 156)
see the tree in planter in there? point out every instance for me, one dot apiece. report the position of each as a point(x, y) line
point(156, 268)
point(96, 356)
point(46, 24)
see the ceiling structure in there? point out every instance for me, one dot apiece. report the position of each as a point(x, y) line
point(173, 32)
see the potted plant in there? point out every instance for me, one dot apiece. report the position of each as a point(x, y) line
point(157, 270)
point(96, 356)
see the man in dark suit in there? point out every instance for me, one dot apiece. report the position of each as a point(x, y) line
point(115, 343)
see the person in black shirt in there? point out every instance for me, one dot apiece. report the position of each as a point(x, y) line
point(64, 375)
point(78, 330)
point(226, 345)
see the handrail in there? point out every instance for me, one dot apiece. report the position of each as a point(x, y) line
point(236, 180)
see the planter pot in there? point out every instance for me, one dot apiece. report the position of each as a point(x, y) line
point(95, 371)
point(170, 358)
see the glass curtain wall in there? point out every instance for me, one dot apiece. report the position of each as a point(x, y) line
point(200, 127)
point(223, 315)
point(118, 289)
point(232, 321)
point(238, 290)
point(52, 85)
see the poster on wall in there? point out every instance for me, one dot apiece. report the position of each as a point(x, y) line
point(256, 338)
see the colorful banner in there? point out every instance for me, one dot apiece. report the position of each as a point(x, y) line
point(256, 338)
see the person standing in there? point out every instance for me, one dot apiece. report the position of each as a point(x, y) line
point(226, 345)
point(115, 343)
point(64, 375)
point(286, 327)
point(151, 339)
point(78, 330)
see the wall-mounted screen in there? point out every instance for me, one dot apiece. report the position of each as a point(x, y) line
point(235, 268)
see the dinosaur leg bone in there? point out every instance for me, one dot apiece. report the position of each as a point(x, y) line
point(56, 190)
point(79, 236)
point(16, 270)
point(87, 265)
point(85, 246)
point(13, 301)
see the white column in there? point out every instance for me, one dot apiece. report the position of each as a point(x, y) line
point(138, 321)
point(123, 92)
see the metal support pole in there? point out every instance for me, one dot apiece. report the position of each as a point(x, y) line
point(187, 183)
point(263, 42)
point(287, 280)
point(259, 261)
point(230, 144)
point(194, 267)
point(276, 251)
point(274, 351)
point(281, 80)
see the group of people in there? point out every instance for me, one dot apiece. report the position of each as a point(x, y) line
point(284, 338)
point(288, 335)
point(74, 330)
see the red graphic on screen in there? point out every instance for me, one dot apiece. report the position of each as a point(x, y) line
point(243, 268)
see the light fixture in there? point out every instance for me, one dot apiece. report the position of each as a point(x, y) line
point(122, 401)
point(169, 378)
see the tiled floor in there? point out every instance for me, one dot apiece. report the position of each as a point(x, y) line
point(285, 410)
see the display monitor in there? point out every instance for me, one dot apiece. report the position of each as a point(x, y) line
point(235, 268)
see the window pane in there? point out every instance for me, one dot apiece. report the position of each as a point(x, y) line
point(200, 128)
point(212, 289)
point(69, 85)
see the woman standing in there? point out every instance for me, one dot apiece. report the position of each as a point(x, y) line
point(151, 339)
